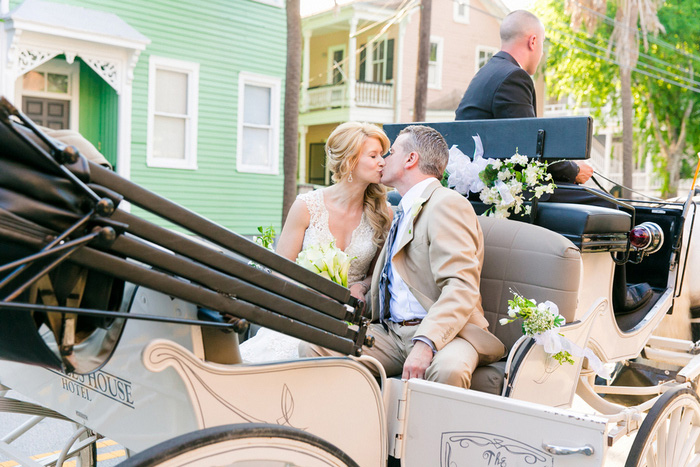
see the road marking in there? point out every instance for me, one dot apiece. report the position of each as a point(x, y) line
point(100, 457)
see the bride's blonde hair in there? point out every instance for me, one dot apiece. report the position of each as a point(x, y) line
point(343, 151)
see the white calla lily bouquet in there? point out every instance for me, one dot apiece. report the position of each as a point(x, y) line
point(327, 260)
point(504, 184)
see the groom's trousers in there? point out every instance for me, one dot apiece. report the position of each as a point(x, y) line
point(453, 364)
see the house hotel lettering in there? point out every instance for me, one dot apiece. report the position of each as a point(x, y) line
point(99, 382)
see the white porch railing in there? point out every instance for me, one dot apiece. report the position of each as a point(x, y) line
point(327, 96)
point(374, 94)
point(380, 95)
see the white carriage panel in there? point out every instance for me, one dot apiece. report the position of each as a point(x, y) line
point(123, 400)
point(336, 399)
point(542, 379)
point(612, 345)
point(596, 281)
point(453, 427)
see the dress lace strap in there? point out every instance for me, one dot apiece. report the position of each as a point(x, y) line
point(314, 203)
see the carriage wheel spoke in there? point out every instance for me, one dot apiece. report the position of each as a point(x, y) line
point(661, 438)
point(687, 434)
point(651, 456)
point(670, 445)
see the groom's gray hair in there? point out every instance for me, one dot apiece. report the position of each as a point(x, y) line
point(430, 146)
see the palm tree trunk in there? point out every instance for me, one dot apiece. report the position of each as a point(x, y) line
point(627, 130)
point(291, 106)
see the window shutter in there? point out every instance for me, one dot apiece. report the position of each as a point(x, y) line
point(389, 59)
point(363, 61)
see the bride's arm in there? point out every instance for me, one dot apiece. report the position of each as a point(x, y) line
point(292, 237)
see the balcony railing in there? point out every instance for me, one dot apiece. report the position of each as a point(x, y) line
point(379, 95)
point(374, 94)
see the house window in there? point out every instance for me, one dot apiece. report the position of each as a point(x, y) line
point(173, 88)
point(435, 63)
point(336, 68)
point(460, 12)
point(483, 55)
point(258, 124)
point(382, 62)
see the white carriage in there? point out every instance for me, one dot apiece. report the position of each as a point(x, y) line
point(168, 383)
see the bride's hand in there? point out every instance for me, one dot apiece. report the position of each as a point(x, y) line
point(358, 290)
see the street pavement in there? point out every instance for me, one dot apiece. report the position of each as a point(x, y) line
point(48, 437)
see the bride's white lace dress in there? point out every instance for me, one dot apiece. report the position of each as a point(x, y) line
point(268, 345)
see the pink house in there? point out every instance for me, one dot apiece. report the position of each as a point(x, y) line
point(359, 63)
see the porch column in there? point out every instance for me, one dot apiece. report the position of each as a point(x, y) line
point(352, 62)
point(398, 71)
point(608, 153)
point(305, 65)
point(303, 157)
point(124, 133)
point(4, 68)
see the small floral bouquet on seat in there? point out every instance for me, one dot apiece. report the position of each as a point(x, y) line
point(508, 182)
point(539, 321)
point(327, 260)
point(504, 184)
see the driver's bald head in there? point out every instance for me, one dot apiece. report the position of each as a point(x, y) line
point(519, 24)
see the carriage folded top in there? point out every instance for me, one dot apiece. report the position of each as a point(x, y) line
point(67, 250)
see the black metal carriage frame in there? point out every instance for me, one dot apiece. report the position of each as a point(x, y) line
point(56, 208)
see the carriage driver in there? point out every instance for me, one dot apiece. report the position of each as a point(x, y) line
point(426, 304)
point(503, 88)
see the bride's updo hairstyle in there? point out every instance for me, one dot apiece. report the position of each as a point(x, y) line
point(343, 151)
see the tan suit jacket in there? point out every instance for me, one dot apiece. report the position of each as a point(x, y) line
point(439, 257)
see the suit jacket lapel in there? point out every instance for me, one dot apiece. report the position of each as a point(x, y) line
point(417, 205)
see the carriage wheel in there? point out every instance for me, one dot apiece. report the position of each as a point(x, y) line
point(247, 444)
point(670, 434)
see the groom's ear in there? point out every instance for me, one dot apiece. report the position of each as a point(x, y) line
point(412, 160)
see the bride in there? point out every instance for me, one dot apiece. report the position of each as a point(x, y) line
point(353, 212)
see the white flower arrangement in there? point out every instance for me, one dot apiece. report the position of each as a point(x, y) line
point(327, 260)
point(538, 318)
point(503, 184)
point(540, 321)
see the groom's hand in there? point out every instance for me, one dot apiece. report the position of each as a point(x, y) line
point(418, 361)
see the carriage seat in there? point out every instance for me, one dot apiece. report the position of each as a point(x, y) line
point(591, 228)
point(533, 261)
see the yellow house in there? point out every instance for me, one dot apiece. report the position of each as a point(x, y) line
point(359, 63)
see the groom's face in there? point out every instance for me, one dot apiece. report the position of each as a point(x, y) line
point(394, 162)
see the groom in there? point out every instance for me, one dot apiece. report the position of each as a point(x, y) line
point(425, 287)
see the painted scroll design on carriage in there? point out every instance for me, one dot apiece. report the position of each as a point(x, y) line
point(464, 448)
point(202, 392)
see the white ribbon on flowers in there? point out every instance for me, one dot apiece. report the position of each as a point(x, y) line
point(464, 172)
point(554, 343)
point(506, 196)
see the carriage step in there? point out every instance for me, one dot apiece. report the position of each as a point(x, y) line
point(27, 408)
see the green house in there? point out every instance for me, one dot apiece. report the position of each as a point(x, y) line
point(183, 98)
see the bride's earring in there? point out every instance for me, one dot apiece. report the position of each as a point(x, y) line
point(350, 177)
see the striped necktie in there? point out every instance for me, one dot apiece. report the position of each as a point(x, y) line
point(384, 279)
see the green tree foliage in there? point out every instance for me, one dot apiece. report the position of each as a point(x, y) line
point(667, 113)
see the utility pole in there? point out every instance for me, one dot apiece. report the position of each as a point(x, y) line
point(421, 92)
